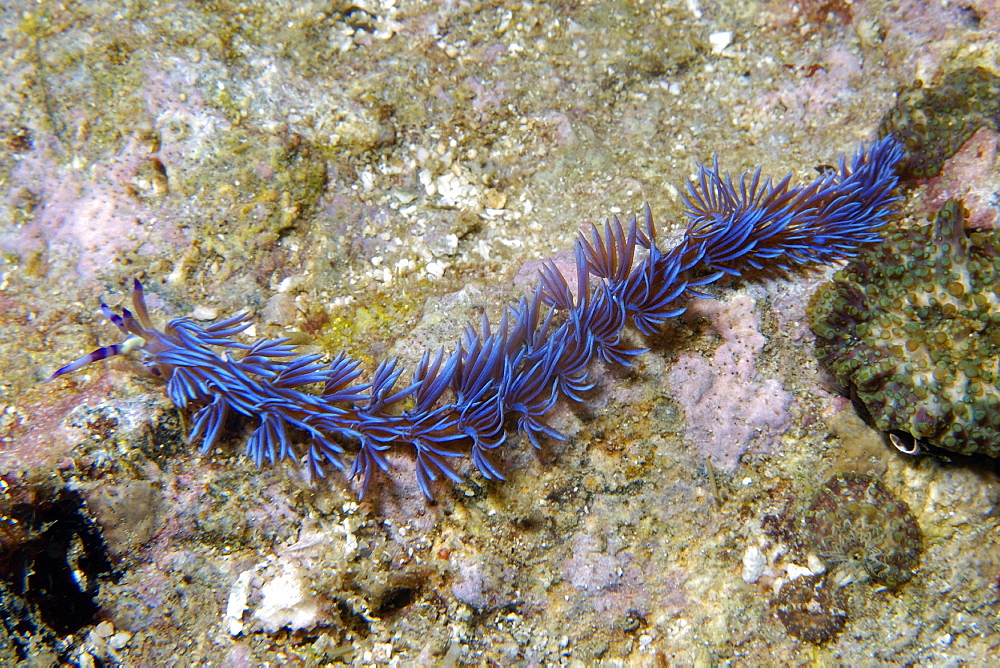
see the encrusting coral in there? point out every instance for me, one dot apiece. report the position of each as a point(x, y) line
point(858, 531)
point(933, 122)
point(461, 402)
point(911, 329)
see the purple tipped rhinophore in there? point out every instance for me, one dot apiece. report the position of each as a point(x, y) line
point(460, 403)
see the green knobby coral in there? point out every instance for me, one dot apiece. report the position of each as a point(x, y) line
point(911, 329)
point(932, 123)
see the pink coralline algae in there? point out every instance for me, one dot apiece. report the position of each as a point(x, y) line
point(730, 408)
point(973, 176)
point(824, 87)
point(91, 210)
point(618, 581)
point(90, 222)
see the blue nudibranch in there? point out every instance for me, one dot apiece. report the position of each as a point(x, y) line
point(461, 402)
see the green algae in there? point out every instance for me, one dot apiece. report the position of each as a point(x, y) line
point(355, 329)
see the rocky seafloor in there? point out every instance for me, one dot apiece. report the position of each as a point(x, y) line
point(369, 176)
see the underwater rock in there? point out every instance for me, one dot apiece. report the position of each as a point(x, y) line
point(911, 329)
point(53, 561)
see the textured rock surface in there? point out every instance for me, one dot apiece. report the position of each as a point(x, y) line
point(388, 168)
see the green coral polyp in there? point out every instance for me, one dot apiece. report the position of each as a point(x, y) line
point(933, 122)
point(912, 329)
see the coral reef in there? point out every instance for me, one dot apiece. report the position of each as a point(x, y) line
point(855, 523)
point(911, 329)
point(516, 371)
point(933, 122)
point(461, 144)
